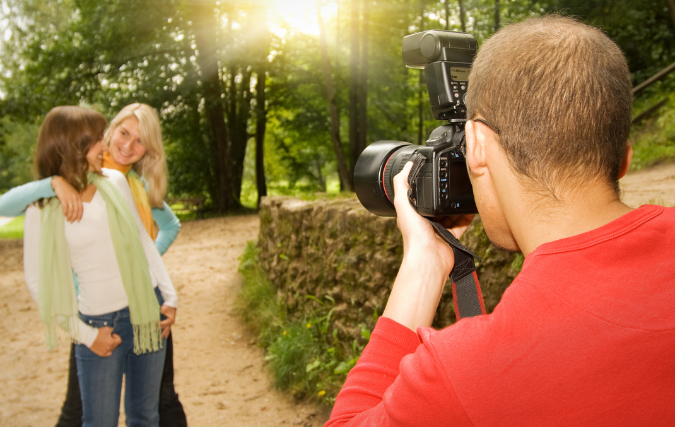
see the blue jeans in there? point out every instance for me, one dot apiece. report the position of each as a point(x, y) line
point(100, 378)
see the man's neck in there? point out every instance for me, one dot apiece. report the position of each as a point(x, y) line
point(540, 220)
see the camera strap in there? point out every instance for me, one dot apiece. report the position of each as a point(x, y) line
point(466, 294)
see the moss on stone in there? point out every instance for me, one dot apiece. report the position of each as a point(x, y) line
point(337, 249)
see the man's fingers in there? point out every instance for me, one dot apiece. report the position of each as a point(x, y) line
point(401, 179)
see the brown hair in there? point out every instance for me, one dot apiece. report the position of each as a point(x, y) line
point(558, 93)
point(66, 135)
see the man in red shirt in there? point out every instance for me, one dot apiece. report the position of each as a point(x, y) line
point(585, 335)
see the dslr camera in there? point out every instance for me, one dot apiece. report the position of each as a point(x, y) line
point(442, 186)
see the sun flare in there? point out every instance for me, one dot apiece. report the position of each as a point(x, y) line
point(299, 15)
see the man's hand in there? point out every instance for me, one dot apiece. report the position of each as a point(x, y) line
point(69, 197)
point(105, 342)
point(170, 313)
point(427, 260)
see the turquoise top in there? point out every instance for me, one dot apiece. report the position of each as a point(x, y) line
point(15, 201)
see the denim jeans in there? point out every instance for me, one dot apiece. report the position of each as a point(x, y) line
point(171, 412)
point(100, 378)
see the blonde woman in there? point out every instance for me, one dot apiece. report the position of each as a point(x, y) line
point(135, 148)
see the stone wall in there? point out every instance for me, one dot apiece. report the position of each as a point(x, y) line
point(333, 254)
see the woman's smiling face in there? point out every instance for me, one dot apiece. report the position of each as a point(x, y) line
point(125, 144)
point(95, 155)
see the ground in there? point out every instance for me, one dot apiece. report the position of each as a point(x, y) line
point(221, 376)
point(220, 372)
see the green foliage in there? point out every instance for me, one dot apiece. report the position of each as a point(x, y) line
point(16, 152)
point(654, 140)
point(108, 53)
point(305, 355)
point(13, 229)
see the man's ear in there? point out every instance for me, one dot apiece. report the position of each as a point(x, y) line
point(625, 162)
point(476, 159)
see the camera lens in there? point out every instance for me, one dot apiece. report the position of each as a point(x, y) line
point(374, 171)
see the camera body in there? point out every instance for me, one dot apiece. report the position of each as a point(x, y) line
point(442, 186)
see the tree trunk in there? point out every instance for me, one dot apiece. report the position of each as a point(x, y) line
point(446, 3)
point(671, 8)
point(462, 15)
point(422, 88)
point(238, 117)
point(260, 127)
point(354, 85)
point(343, 171)
point(205, 40)
point(497, 15)
point(363, 80)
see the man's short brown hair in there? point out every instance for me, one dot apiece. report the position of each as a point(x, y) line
point(558, 93)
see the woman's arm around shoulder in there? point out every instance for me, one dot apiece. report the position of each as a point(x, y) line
point(15, 201)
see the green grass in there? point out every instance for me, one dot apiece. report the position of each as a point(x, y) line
point(306, 356)
point(13, 229)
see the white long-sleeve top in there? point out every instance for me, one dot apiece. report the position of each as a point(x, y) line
point(93, 258)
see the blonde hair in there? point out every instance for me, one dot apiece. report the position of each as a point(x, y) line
point(152, 166)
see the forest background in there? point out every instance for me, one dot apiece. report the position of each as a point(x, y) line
point(265, 97)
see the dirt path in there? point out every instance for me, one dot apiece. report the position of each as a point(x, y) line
point(654, 185)
point(220, 374)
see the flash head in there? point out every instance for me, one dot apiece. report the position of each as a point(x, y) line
point(421, 49)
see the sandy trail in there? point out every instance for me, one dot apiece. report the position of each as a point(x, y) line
point(654, 185)
point(220, 374)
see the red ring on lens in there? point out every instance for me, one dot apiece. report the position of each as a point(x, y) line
point(384, 173)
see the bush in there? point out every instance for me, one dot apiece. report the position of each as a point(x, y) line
point(305, 355)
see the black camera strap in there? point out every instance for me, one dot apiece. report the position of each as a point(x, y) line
point(466, 294)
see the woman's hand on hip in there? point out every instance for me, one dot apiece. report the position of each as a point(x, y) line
point(170, 313)
point(105, 342)
point(70, 199)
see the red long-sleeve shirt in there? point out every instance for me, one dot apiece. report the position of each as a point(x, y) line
point(584, 336)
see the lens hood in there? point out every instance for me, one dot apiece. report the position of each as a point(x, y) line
point(368, 176)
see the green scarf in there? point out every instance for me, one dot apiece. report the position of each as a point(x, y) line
point(57, 298)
